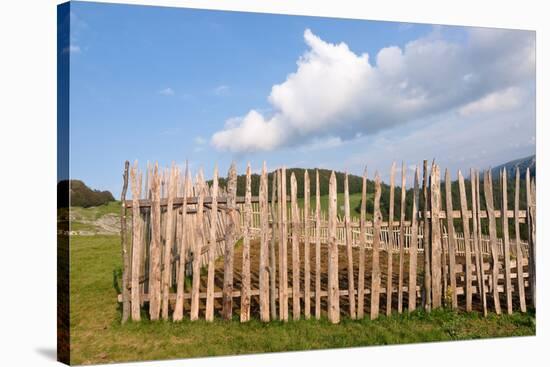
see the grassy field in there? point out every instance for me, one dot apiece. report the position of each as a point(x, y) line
point(98, 337)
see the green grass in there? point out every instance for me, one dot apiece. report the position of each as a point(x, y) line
point(98, 337)
point(354, 201)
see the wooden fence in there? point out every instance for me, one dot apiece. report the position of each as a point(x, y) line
point(193, 249)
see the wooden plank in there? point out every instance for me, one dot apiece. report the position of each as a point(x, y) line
point(307, 244)
point(135, 176)
point(435, 201)
point(184, 243)
point(126, 261)
point(506, 241)
point(317, 247)
point(519, 250)
point(375, 280)
point(333, 287)
point(495, 264)
point(167, 261)
point(467, 251)
point(209, 312)
point(362, 246)
point(401, 240)
point(283, 253)
point(272, 266)
point(476, 235)
point(230, 239)
point(531, 238)
point(452, 239)
point(349, 249)
point(264, 249)
point(427, 291)
point(295, 229)
point(198, 242)
point(245, 273)
point(413, 247)
point(155, 248)
point(390, 243)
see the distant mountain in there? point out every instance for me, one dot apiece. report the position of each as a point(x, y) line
point(81, 195)
point(522, 163)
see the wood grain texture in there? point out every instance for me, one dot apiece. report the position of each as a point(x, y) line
point(317, 247)
point(495, 263)
point(333, 287)
point(183, 249)
point(272, 260)
point(295, 229)
point(401, 241)
point(209, 312)
point(451, 239)
point(531, 238)
point(307, 245)
point(362, 246)
point(283, 251)
point(349, 249)
point(198, 240)
point(476, 235)
point(230, 239)
point(264, 248)
point(427, 290)
point(135, 176)
point(172, 186)
point(435, 201)
point(506, 240)
point(390, 244)
point(519, 251)
point(466, 229)
point(155, 248)
point(375, 279)
point(126, 260)
point(413, 248)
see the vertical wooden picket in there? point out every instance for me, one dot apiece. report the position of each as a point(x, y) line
point(245, 276)
point(272, 262)
point(506, 241)
point(390, 243)
point(283, 253)
point(209, 314)
point(427, 292)
point(531, 238)
point(401, 241)
point(466, 229)
point(413, 248)
point(264, 248)
point(198, 242)
point(307, 244)
point(362, 245)
point(436, 237)
point(126, 276)
point(451, 238)
point(519, 250)
point(333, 287)
point(167, 262)
point(155, 248)
point(230, 239)
point(184, 243)
point(349, 249)
point(375, 280)
point(495, 264)
point(295, 229)
point(135, 176)
point(317, 247)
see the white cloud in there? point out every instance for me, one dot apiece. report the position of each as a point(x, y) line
point(336, 93)
point(199, 140)
point(167, 92)
point(498, 101)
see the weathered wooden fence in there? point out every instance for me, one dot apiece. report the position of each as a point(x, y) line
point(195, 249)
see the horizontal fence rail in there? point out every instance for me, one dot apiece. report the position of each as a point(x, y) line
point(194, 249)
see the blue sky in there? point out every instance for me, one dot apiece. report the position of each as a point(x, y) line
point(170, 84)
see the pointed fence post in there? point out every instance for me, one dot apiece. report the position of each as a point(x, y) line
point(184, 243)
point(466, 229)
point(401, 241)
point(264, 248)
point(506, 241)
point(495, 263)
point(427, 292)
point(317, 247)
point(349, 249)
point(390, 243)
point(307, 244)
point(362, 246)
point(136, 242)
point(519, 250)
point(436, 237)
point(333, 287)
point(230, 239)
point(377, 219)
point(272, 262)
point(295, 222)
point(126, 272)
point(413, 248)
point(451, 238)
